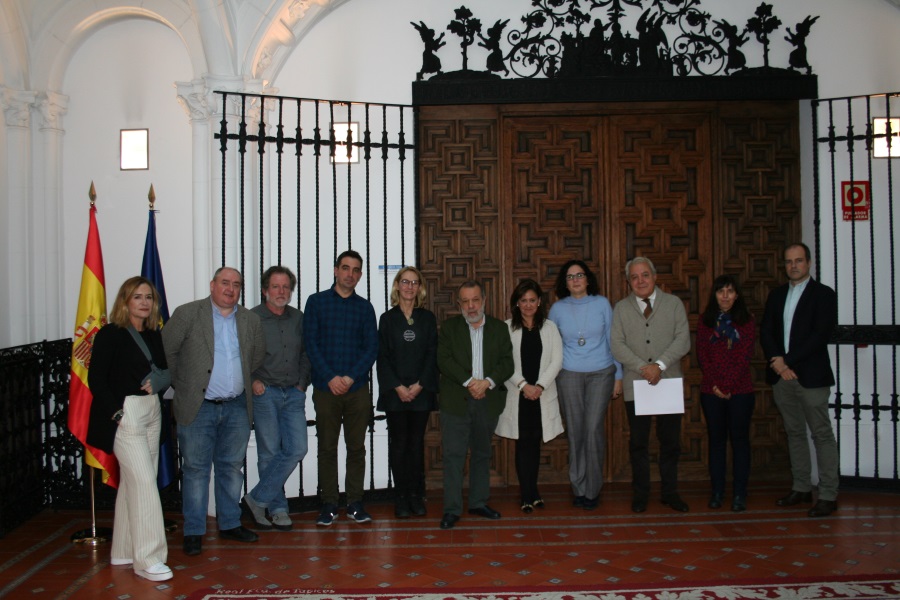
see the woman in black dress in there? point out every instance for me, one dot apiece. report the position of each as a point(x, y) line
point(531, 414)
point(407, 383)
point(125, 420)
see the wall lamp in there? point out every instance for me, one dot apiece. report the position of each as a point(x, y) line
point(134, 149)
point(880, 144)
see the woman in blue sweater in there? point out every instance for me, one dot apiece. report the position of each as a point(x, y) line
point(589, 379)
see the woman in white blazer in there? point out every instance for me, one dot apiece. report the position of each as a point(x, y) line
point(531, 414)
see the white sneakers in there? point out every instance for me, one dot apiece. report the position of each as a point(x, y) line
point(118, 562)
point(157, 572)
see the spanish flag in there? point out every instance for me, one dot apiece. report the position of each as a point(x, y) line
point(91, 316)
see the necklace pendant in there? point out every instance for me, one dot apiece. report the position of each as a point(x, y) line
point(581, 341)
point(410, 321)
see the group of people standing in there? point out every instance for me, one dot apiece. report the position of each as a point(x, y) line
point(525, 379)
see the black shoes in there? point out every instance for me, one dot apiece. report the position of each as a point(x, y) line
point(739, 504)
point(676, 503)
point(417, 506)
point(527, 508)
point(578, 501)
point(639, 505)
point(238, 534)
point(823, 508)
point(794, 498)
point(715, 500)
point(401, 507)
point(193, 545)
point(449, 521)
point(591, 503)
point(485, 511)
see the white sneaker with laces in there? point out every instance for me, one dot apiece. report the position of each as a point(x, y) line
point(118, 562)
point(157, 572)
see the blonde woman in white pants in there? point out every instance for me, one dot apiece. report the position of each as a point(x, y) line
point(127, 373)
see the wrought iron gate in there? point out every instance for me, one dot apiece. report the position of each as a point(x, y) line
point(856, 179)
point(304, 179)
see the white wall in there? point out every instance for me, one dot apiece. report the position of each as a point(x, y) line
point(122, 78)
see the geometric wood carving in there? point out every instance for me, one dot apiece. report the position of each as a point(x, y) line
point(508, 192)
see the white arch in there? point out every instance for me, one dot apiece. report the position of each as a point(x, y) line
point(76, 21)
point(278, 34)
point(13, 56)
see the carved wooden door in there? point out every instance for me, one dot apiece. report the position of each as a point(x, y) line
point(508, 192)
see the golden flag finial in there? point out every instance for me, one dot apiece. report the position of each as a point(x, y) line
point(151, 196)
point(92, 194)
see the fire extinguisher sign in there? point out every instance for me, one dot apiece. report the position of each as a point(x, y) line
point(856, 200)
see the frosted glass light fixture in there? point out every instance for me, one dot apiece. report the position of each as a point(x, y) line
point(880, 144)
point(134, 149)
point(340, 139)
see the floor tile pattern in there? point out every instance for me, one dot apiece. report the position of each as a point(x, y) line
point(558, 546)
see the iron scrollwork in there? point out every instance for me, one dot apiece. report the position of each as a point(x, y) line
point(652, 38)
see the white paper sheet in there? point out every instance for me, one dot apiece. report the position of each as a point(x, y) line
point(664, 398)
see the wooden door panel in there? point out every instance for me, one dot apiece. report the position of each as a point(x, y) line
point(700, 190)
point(661, 196)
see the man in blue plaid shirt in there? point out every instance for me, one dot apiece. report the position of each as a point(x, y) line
point(341, 339)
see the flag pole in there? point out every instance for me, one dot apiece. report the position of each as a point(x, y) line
point(95, 535)
point(168, 524)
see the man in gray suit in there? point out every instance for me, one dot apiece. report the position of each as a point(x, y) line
point(650, 335)
point(212, 346)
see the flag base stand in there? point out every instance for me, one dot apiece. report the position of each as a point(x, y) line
point(93, 536)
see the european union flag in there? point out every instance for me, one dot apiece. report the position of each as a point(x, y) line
point(152, 270)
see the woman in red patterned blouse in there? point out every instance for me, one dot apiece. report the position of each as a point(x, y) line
point(725, 336)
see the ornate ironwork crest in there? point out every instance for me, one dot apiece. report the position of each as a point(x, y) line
point(615, 38)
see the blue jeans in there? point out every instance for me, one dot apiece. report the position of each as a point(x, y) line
point(279, 419)
point(217, 436)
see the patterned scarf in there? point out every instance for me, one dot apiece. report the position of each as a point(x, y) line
point(725, 330)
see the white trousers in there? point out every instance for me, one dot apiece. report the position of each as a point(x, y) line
point(138, 530)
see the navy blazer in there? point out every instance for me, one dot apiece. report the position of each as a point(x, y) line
point(814, 322)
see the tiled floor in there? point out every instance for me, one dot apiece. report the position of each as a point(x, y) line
point(560, 545)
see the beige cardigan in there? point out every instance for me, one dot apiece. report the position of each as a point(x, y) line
point(551, 363)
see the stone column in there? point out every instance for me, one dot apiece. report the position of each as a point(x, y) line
point(14, 202)
point(46, 226)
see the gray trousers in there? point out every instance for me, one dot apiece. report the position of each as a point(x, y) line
point(801, 407)
point(584, 398)
point(474, 431)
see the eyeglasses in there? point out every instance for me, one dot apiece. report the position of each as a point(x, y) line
point(573, 276)
point(409, 282)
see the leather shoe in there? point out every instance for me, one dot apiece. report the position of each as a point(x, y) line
point(238, 534)
point(739, 504)
point(823, 508)
point(715, 500)
point(485, 511)
point(639, 505)
point(676, 503)
point(448, 521)
point(193, 545)
point(794, 498)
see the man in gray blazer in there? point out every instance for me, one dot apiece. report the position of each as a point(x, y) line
point(212, 346)
point(650, 335)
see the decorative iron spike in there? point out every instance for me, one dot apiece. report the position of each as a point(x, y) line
point(151, 196)
point(92, 194)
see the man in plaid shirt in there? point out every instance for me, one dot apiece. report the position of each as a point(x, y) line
point(341, 339)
